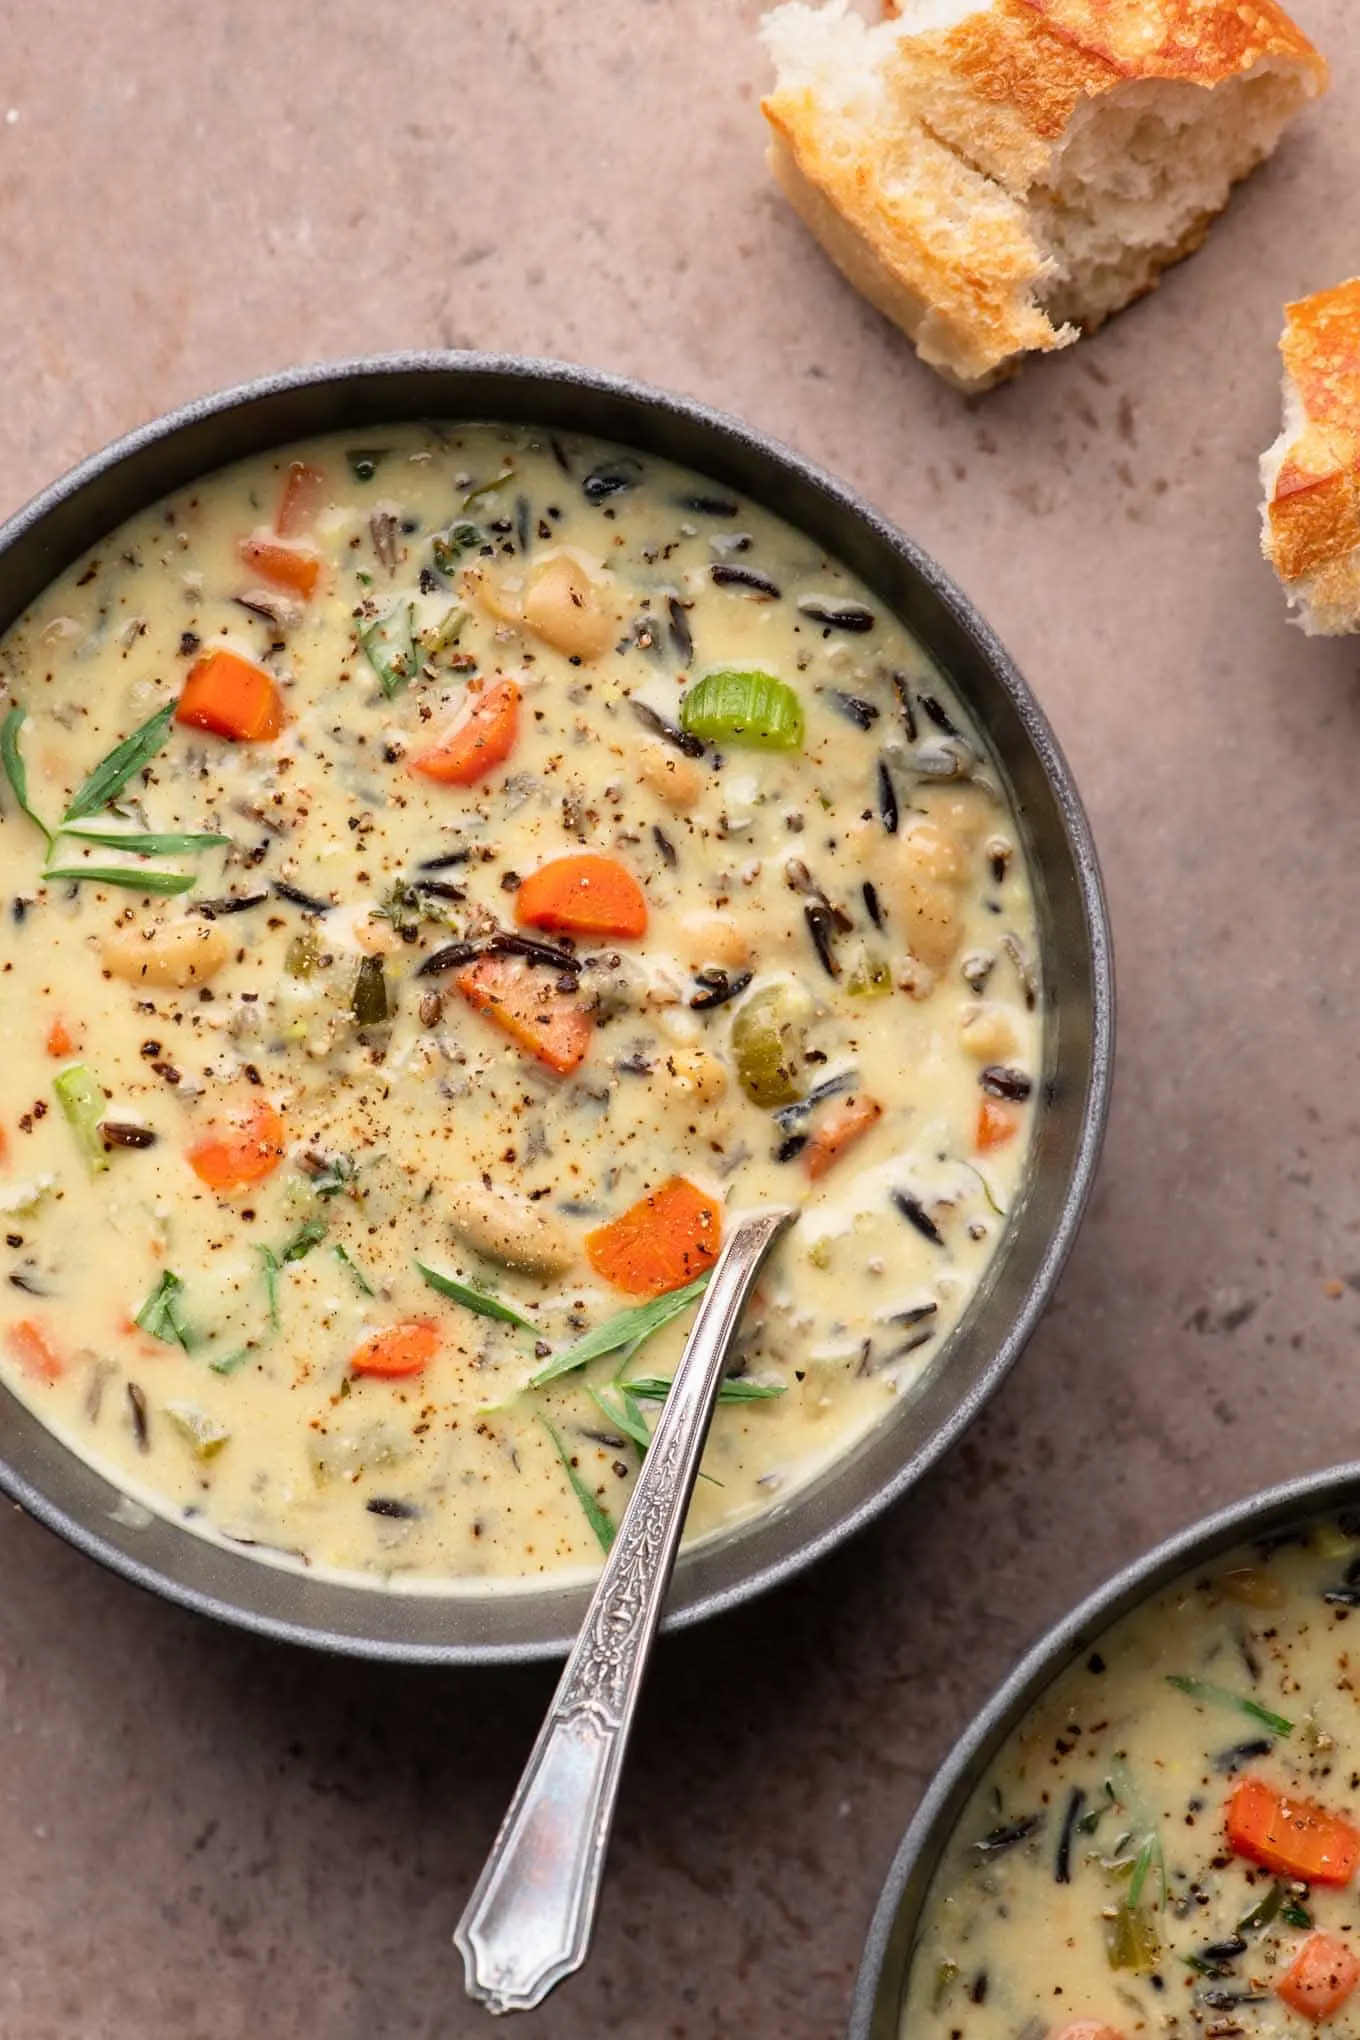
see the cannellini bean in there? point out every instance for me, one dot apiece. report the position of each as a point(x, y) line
point(931, 920)
point(670, 776)
point(986, 1033)
point(933, 852)
point(167, 953)
point(964, 812)
point(509, 1228)
point(567, 609)
point(697, 1075)
point(712, 938)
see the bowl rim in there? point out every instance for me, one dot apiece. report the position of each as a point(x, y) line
point(459, 365)
point(876, 2007)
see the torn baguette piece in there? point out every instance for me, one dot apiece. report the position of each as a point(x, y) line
point(1311, 475)
point(999, 176)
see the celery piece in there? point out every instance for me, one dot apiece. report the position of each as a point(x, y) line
point(729, 706)
point(81, 1098)
point(204, 1435)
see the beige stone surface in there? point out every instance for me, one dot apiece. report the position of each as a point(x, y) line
point(203, 1838)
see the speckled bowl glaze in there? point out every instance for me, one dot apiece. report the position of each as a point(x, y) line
point(886, 1966)
point(526, 1622)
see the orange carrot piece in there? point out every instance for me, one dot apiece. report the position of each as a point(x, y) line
point(4, 1149)
point(665, 1239)
point(525, 1004)
point(30, 1347)
point(1292, 1837)
point(843, 1126)
point(399, 1349)
point(60, 1040)
point(1085, 2029)
point(483, 739)
point(583, 894)
point(304, 491)
point(240, 1149)
point(231, 697)
point(1321, 1977)
point(287, 566)
point(997, 1122)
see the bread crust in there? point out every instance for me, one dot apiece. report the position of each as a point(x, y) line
point(1313, 510)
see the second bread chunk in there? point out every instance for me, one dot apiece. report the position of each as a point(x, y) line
point(999, 178)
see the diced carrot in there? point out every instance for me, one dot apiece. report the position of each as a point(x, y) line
point(287, 566)
point(232, 697)
point(584, 894)
point(60, 1040)
point(1292, 1837)
point(398, 1349)
point(30, 1347)
point(240, 1149)
point(526, 1005)
point(1321, 1977)
point(1085, 2029)
point(304, 491)
point(843, 1126)
point(476, 745)
point(997, 1122)
point(666, 1238)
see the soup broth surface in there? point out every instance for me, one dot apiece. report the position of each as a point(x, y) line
point(478, 860)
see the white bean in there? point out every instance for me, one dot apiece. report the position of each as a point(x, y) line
point(176, 953)
point(508, 1228)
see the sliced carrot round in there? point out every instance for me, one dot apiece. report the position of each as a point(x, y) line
point(287, 566)
point(1291, 1836)
point(232, 697)
point(241, 1148)
point(525, 1004)
point(29, 1345)
point(583, 894)
point(483, 739)
point(662, 1241)
point(399, 1349)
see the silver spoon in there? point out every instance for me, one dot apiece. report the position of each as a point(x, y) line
point(528, 1923)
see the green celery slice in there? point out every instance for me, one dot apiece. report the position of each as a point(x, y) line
point(732, 706)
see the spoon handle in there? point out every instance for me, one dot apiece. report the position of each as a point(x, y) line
point(528, 1923)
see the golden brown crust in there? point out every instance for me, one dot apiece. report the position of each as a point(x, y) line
point(1314, 510)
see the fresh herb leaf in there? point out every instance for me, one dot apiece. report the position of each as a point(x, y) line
point(1296, 1915)
point(111, 774)
point(336, 1176)
point(81, 1098)
point(487, 488)
point(271, 1264)
point(361, 1281)
point(1222, 1696)
point(160, 1315)
point(626, 1328)
point(474, 1299)
point(145, 845)
point(364, 461)
point(1261, 1915)
point(625, 1413)
point(229, 1362)
point(656, 1389)
point(126, 875)
point(389, 645)
point(449, 546)
point(16, 772)
point(987, 1190)
point(302, 1242)
point(598, 1517)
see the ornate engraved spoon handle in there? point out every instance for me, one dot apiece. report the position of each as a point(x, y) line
point(528, 1922)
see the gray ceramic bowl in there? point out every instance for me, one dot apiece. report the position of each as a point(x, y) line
point(43, 539)
point(881, 1985)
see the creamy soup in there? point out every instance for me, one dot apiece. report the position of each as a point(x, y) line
point(1169, 1843)
point(444, 873)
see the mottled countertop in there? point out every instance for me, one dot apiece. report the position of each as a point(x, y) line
point(206, 1838)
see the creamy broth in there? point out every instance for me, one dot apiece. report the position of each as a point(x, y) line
point(1168, 1844)
point(590, 838)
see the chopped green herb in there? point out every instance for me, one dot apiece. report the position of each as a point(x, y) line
point(487, 488)
point(145, 845)
point(338, 1175)
point(625, 1413)
point(1261, 1915)
point(364, 461)
point(81, 1098)
point(368, 1000)
point(112, 774)
point(656, 1389)
point(361, 1281)
point(229, 1362)
point(15, 770)
point(1296, 1915)
point(163, 883)
point(449, 546)
point(626, 1328)
point(1222, 1696)
point(389, 645)
point(270, 1262)
point(474, 1299)
point(987, 1190)
point(302, 1242)
point(598, 1517)
point(729, 706)
point(160, 1314)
